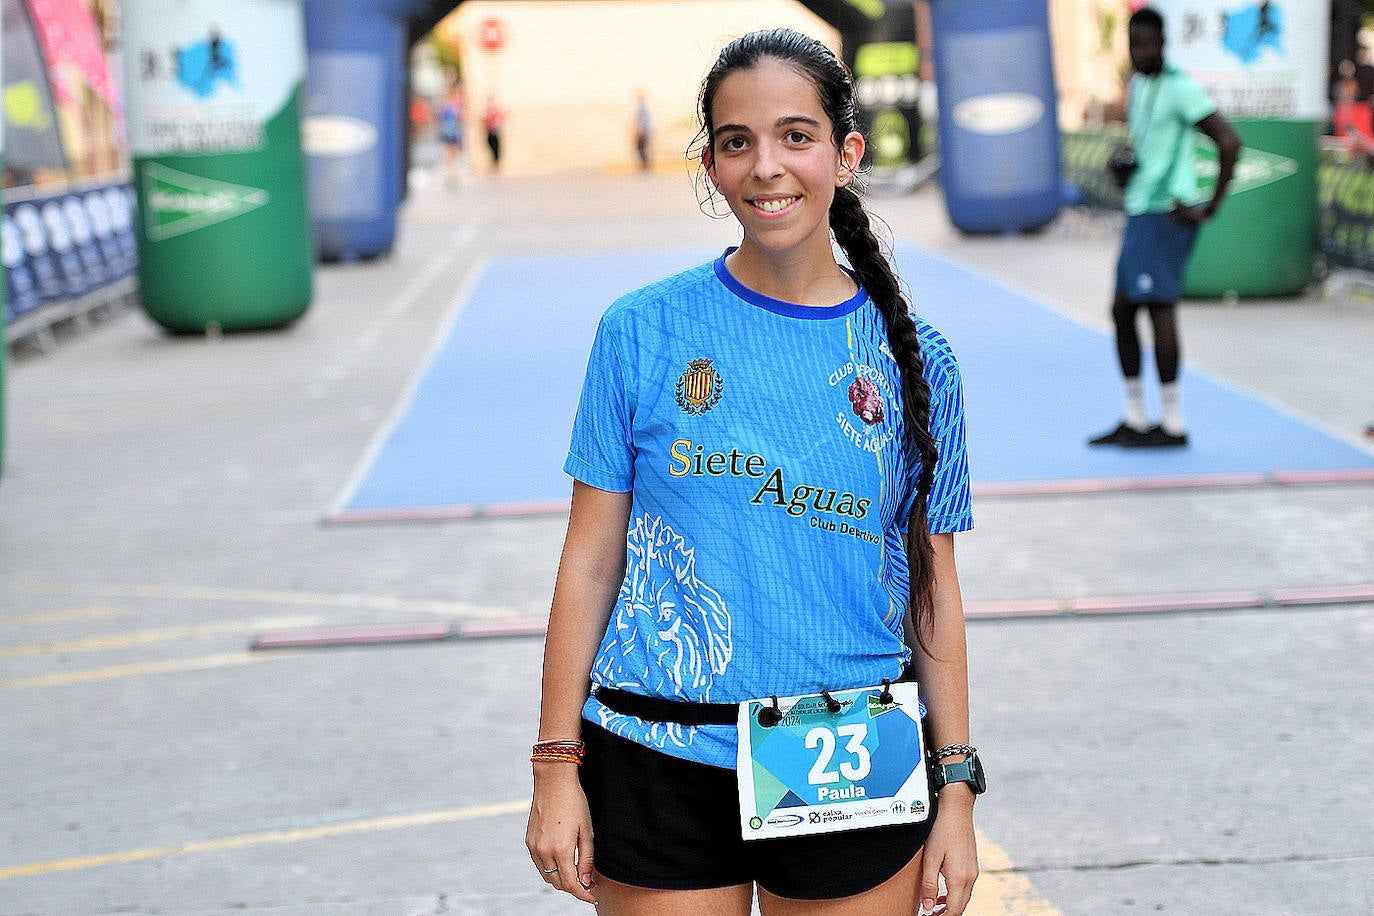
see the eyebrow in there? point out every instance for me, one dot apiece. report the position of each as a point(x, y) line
point(780, 122)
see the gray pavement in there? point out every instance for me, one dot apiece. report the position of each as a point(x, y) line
point(161, 503)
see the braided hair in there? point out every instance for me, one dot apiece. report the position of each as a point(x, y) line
point(850, 224)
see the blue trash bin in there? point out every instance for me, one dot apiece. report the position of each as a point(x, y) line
point(999, 134)
point(354, 128)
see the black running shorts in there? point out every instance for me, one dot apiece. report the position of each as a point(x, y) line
point(662, 822)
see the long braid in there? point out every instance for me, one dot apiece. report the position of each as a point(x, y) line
point(850, 223)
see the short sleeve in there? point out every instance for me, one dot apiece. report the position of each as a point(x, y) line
point(602, 453)
point(949, 507)
point(1192, 102)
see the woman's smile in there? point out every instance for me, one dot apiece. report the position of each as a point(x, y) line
point(774, 206)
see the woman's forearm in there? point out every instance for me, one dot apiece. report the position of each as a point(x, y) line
point(576, 624)
point(942, 666)
point(589, 578)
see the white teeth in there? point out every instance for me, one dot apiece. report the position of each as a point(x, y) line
point(773, 206)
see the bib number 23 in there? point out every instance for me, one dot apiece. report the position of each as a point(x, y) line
point(854, 769)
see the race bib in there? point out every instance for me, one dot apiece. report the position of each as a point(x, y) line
point(818, 771)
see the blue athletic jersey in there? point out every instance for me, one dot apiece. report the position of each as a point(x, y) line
point(763, 444)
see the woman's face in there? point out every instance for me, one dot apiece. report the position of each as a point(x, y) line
point(772, 157)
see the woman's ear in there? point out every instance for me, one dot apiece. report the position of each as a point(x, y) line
point(851, 154)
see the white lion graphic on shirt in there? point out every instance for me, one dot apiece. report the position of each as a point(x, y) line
point(672, 629)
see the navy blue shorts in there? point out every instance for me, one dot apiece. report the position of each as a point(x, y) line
point(662, 822)
point(1154, 255)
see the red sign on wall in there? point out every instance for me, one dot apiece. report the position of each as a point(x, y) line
point(492, 35)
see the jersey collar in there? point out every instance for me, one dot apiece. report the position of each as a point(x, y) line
point(788, 309)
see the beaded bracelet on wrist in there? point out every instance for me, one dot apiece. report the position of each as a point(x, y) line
point(558, 752)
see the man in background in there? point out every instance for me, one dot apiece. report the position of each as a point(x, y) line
point(1164, 209)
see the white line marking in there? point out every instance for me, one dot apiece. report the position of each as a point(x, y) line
point(402, 406)
point(406, 299)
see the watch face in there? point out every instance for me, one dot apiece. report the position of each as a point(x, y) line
point(969, 771)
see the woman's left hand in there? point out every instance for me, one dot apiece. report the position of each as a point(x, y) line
point(952, 851)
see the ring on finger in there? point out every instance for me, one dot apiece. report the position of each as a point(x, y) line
point(549, 871)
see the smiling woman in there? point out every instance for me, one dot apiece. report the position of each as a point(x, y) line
point(760, 512)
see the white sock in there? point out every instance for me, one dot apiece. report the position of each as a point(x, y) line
point(1136, 418)
point(1172, 418)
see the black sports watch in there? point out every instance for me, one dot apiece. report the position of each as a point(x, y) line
point(970, 770)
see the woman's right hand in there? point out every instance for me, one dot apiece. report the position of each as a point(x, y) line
point(559, 834)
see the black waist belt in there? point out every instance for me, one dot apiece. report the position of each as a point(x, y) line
point(654, 709)
point(685, 712)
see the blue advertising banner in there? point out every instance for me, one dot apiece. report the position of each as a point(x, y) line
point(65, 245)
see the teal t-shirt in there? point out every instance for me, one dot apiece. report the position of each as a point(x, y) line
point(772, 485)
point(1163, 112)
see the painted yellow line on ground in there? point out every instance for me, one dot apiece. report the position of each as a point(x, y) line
point(343, 828)
point(146, 637)
point(199, 663)
point(1000, 890)
point(95, 612)
point(265, 596)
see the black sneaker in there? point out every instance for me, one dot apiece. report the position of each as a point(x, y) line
point(1158, 437)
point(1124, 435)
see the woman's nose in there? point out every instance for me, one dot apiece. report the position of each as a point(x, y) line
point(768, 164)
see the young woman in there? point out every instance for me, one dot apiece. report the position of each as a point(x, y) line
point(769, 469)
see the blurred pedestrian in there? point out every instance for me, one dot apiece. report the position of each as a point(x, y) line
point(1347, 87)
point(1364, 74)
point(1164, 209)
point(693, 579)
point(421, 117)
point(1351, 119)
point(495, 122)
point(643, 132)
point(451, 131)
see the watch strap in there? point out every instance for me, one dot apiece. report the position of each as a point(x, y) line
point(969, 770)
point(946, 773)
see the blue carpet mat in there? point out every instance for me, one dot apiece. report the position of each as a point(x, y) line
point(486, 427)
point(1038, 384)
